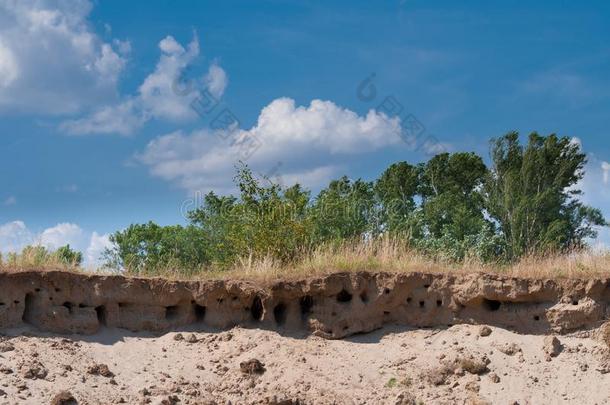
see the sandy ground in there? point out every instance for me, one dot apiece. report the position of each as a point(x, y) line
point(389, 366)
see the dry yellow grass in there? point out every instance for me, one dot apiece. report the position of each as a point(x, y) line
point(392, 256)
point(383, 255)
point(34, 259)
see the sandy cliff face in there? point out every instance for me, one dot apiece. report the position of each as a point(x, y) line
point(332, 306)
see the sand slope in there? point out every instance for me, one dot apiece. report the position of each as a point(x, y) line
point(393, 365)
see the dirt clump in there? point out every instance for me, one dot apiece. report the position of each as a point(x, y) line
point(33, 370)
point(100, 369)
point(552, 347)
point(438, 375)
point(473, 365)
point(484, 331)
point(64, 398)
point(252, 366)
point(510, 349)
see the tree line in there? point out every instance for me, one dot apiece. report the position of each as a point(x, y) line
point(449, 208)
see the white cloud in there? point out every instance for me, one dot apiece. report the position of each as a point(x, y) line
point(14, 236)
point(606, 171)
point(164, 94)
point(10, 200)
point(122, 119)
point(60, 235)
point(216, 80)
point(51, 61)
point(9, 71)
point(97, 244)
point(316, 177)
point(157, 93)
point(284, 132)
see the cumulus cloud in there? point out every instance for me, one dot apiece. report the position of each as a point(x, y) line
point(216, 80)
point(15, 235)
point(606, 171)
point(157, 93)
point(61, 235)
point(51, 61)
point(165, 94)
point(97, 245)
point(284, 132)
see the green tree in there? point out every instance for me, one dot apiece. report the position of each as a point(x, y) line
point(343, 210)
point(396, 190)
point(531, 192)
point(151, 249)
point(450, 191)
point(264, 221)
point(452, 208)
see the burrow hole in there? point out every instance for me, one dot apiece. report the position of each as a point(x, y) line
point(344, 296)
point(28, 308)
point(256, 309)
point(68, 305)
point(364, 297)
point(422, 304)
point(439, 303)
point(279, 313)
point(306, 304)
point(172, 312)
point(491, 305)
point(199, 311)
point(536, 317)
point(101, 314)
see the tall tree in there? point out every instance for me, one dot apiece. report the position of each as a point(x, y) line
point(531, 192)
point(451, 199)
point(343, 210)
point(396, 190)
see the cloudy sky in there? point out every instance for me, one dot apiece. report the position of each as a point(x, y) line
point(114, 112)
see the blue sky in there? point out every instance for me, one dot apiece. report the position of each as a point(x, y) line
point(97, 129)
